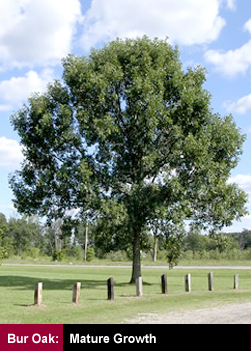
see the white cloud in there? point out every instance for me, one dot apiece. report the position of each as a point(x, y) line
point(241, 107)
point(7, 208)
point(238, 226)
point(232, 62)
point(5, 107)
point(247, 26)
point(231, 4)
point(36, 32)
point(16, 90)
point(186, 22)
point(10, 153)
point(243, 180)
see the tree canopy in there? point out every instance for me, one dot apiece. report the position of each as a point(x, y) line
point(129, 139)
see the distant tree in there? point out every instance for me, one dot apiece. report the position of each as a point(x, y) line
point(174, 243)
point(128, 132)
point(3, 221)
point(24, 233)
point(194, 241)
point(3, 229)
point(222, 242)
point(243, 238)
point(57, 237)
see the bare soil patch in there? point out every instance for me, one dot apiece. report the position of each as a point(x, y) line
point(228, 314)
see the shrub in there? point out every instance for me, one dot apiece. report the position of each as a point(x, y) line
point(90, 254)
point(77, 252)
point(34, 252)
point(59, 255)
point(117, 256)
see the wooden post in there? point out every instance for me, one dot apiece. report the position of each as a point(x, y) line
point(139, 287)
point(38, 294)
point(164, 284)
point(210, 282)
point(76, 293)
point(188, 283)
point(236, 281)
point(110, 286)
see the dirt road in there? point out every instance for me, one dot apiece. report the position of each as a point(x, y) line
point(228, 314)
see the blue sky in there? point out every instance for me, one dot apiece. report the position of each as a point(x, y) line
point(36, 34)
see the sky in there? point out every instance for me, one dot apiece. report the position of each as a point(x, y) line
point(36, 34)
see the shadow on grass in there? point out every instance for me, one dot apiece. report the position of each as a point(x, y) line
point(28, 283)
point(29, 305)
point(129, 284)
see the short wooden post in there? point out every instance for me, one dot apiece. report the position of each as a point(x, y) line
point(76, 293)
point(210, 282)
point(164, 284)
point(110, 286)
point(236, 281)
point(38, 294)
point(139, 287)
point(188, 283)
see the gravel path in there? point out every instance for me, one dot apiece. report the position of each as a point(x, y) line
point(228, 314)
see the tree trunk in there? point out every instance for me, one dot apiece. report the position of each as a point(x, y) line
point(155, 252)
point(86, 241)
point(136, 266)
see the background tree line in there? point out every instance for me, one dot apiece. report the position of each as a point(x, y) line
point(28, 237)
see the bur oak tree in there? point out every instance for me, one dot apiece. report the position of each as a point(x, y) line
point(129, 137)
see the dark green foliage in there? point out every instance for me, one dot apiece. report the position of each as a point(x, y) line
point(90, 254)
point(243, 238)
point(18, 236)
point(129, 138)
point(59, 255)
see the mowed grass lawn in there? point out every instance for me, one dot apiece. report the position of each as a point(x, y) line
point(17, 293)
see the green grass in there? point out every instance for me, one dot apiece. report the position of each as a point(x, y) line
point(108, 262)
point(17, 293)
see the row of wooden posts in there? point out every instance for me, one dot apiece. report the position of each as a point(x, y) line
point(139, 287)
point(210, 282)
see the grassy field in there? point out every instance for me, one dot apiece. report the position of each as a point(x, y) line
point(17, 293)
point(108, 262)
